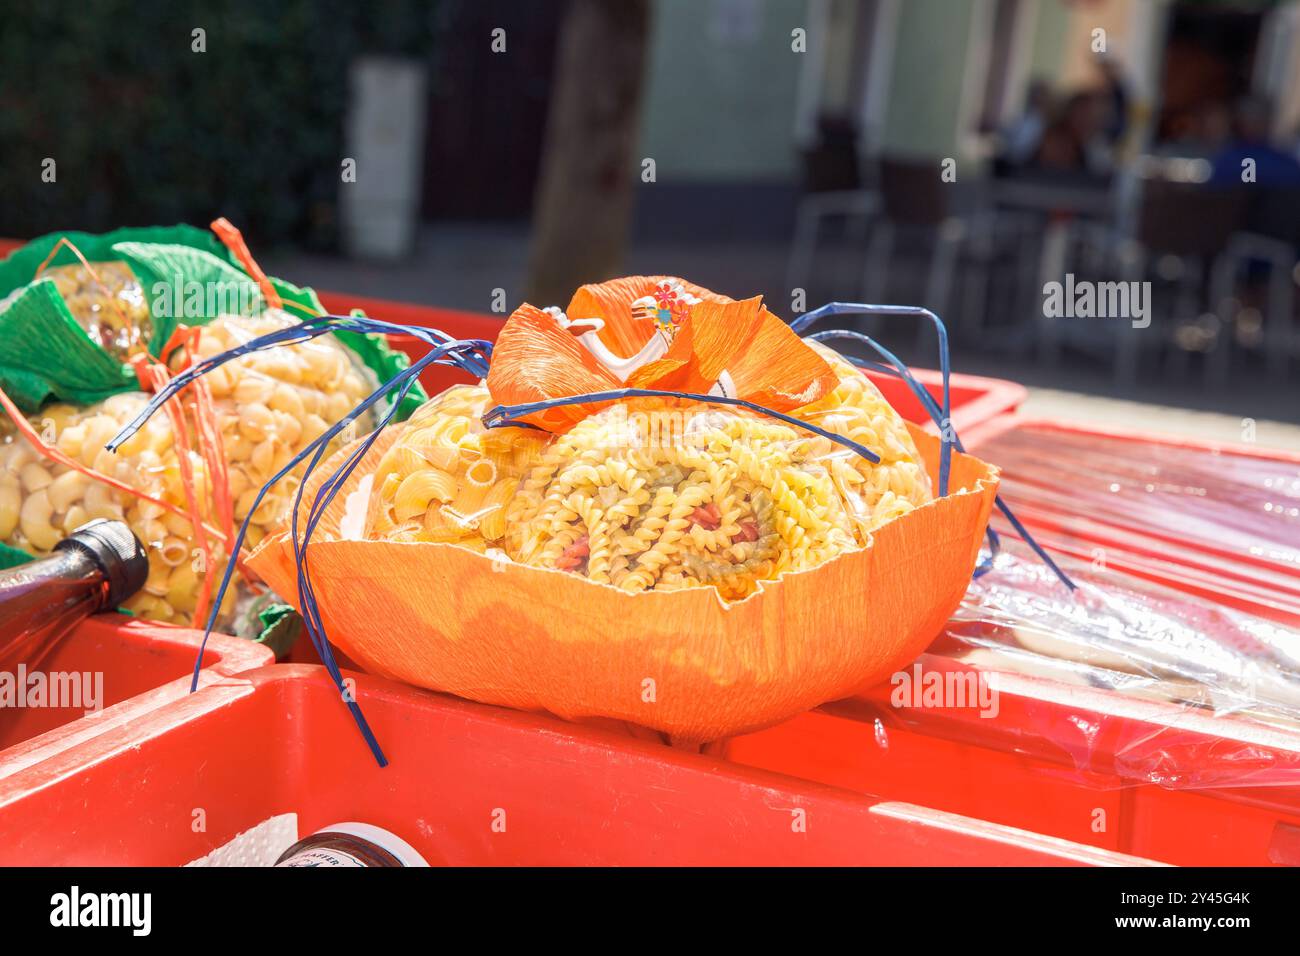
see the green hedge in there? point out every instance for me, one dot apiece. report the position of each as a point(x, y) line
point(144, 130)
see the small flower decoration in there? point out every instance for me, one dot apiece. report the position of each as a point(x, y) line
point(674, 302)
point(668, 305)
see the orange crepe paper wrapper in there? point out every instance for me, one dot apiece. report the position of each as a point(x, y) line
point(534, 359)
point(680, 662)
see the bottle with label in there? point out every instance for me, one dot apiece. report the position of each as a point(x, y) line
point(94, 569)
point(351, 844)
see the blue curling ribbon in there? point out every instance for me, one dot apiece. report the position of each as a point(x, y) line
point(899, 370)
point(942, 416)
point(505, 415)
point(851, 308)
point(307, 603)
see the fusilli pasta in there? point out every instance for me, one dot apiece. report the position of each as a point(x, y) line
point(654, 493)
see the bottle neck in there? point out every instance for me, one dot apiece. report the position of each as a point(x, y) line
point(43, 599)
point(74, 574)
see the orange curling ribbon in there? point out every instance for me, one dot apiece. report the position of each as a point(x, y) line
point(233, 240)
point(65, 242)
point(197, 401)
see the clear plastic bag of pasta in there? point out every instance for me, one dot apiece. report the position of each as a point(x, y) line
point(646, 495)
point(106, 299)
point(271, 405)
point(693, 567)
point(44, 498)
point(265, 408)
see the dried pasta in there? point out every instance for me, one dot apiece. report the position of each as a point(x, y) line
point(269, 405)
point(652, 494)
point(109, 303)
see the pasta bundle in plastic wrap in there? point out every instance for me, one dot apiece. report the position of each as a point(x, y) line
point(268, 406)
point(107, 301)
point(653, 495)
point(661, 506)
point(86, 321)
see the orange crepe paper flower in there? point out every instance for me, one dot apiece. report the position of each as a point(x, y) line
point(538, 358)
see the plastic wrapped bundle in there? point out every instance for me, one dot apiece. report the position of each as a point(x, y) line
point(88, 319)
point(856, 409)
point(1130, 636)
point(42, 500)
point(271, 405)
point(657, 494)
point(107, 301)
point(1120, 679)
point(268, 407)
point(662, 507)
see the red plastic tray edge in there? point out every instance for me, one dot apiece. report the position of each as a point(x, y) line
point(230, 656)
point(993, 428)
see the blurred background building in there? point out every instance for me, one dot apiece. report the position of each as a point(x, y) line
point(961, 154)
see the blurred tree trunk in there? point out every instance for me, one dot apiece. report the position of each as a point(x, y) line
point(589, 171)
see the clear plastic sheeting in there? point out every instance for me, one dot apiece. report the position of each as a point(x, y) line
point(1224, 685)
point(1238, 506)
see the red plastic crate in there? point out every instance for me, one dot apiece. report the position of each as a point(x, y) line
point(1058, 756)
point(144, 666)
point(974, 399)
point(570, 795)
point(996, 769)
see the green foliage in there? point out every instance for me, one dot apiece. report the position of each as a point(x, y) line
point(45, 353)
point(143, 129)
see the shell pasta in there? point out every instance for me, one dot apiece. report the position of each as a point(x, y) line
point(268, 407)
point(108, 301)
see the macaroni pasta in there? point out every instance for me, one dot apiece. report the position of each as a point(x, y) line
point(269, 406)
point(653, 493)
